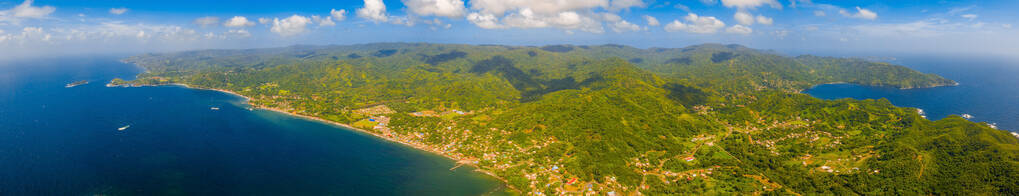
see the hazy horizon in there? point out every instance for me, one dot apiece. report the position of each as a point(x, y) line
point(59, 28)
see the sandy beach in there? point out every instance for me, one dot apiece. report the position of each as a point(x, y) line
point(346, 126)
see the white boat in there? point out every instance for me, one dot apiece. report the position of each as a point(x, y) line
point(967, 116)
point(123, 128)
point(214, 108)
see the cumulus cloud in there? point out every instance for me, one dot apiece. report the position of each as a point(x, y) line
point(569, 15)
point(485, 21)
point(617, 24)
point(860, 13)
point(624, 26)
point(290, 26)
point(238, 21)
point(206, 21)
point(323, 21)
point(764, 20)
point(564, 20)
point(445, 8)
point(264, 20)
point(697, 24)
point(373, 10)
point(750, 4)
point(739, 29)
point(338, 15)
point(29, 35)
point(26, 10)
point(744, 18)
point(118, 11)
point(651, 21)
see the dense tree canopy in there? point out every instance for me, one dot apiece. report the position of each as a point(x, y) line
point(704, 119)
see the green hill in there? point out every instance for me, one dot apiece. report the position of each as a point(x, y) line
point(705, 119)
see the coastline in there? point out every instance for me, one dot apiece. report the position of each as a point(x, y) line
point(421, 147)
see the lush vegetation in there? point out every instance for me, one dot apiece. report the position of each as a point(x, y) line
point(706, 119)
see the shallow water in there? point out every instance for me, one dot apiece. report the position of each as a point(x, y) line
point(64, 141)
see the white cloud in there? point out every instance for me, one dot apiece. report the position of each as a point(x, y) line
point(238, 21)
point(819, 13)
point(290, 26)
point(860, 13)
point(764, 20)
point(675, 26)
point(206, 21)
point(445, 8)
point(326, 21)
point(697, 24)
point(373, 10)
point(624, 26)
point(406, 20)
point(26, 10)
point(744, 18)
point(969, 16)
point(338, 15)
point(651, 21)
point(750, 4)
point(435, 24)
point(118, 11)
point(264, 20)
point(34, 32)
point(619, 25)
point(565, 20)
point(1007, 26)
point(617, 5)
point(568, 15)
point(485, 21)
point(238, 33)
point(540, 7)
point(739, 29)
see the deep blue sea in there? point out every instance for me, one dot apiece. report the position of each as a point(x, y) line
point(988, 89)
point(65, 141)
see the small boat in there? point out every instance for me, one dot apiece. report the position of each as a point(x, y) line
point(214, 108)
point(967, 116)
point(123, 128)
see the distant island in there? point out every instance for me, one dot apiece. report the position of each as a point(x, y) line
point(76, 83)
point(613, 119)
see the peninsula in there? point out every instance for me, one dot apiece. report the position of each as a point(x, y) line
point(613, 119)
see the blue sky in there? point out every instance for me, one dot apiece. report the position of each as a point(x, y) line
point(33, 28)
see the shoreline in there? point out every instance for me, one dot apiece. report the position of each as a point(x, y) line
point(421, 147)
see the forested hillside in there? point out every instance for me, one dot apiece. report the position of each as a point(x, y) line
point(705, 119)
